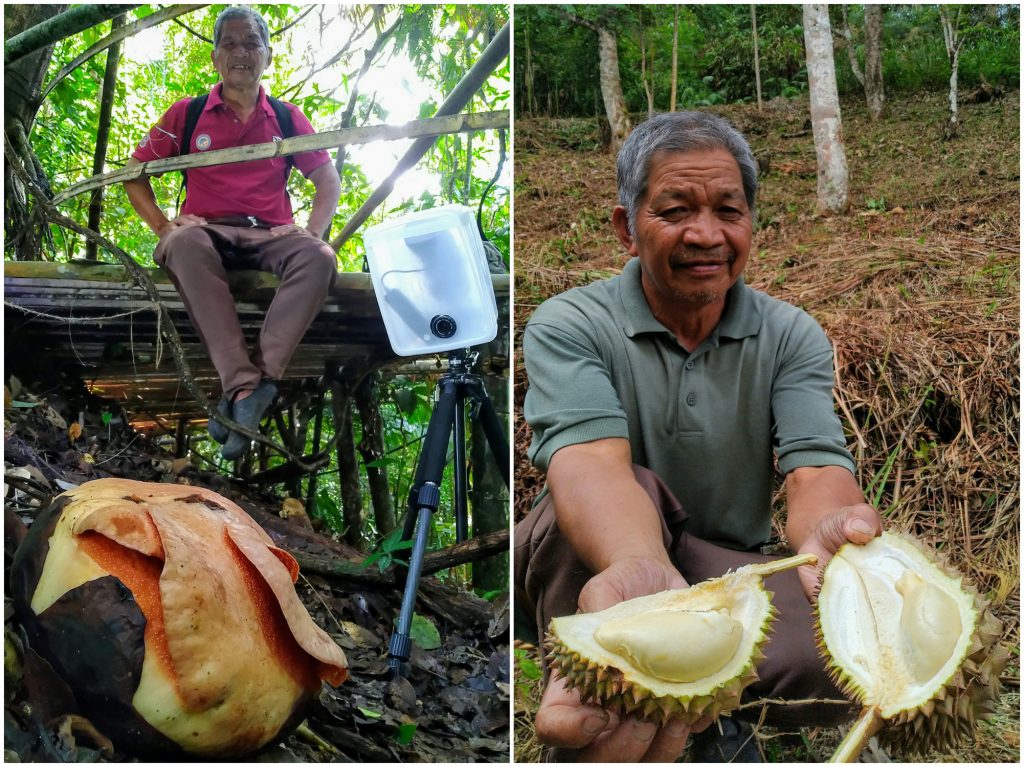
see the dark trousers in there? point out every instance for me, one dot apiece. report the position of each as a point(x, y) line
point(198, 258)
point(549, 577)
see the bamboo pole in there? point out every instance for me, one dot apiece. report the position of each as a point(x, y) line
point(434, 126)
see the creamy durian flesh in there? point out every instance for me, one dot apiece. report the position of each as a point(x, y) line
point(907, 637)
point(896, 626)
point(683, 654)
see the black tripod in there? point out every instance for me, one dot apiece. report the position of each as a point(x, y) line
point(448, 416)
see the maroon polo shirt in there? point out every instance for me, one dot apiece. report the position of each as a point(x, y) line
point(255, 188)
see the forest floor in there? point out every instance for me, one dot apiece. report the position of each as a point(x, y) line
point(453, 705)
point(917, 286)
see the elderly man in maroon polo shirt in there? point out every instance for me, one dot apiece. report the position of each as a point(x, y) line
point(239, 216)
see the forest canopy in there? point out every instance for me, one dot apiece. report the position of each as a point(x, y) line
point(557, 59)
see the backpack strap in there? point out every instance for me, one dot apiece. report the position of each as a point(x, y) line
point(195, 108)
point(284, 119)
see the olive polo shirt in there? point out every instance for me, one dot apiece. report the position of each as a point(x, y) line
point(707, 422)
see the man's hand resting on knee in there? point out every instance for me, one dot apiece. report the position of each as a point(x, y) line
point(600, 735)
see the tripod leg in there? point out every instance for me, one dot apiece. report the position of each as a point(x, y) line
point(461, 480)
point(429, 472)
point(493, 430)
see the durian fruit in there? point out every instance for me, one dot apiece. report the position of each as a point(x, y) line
point(683, 654)
point(172, 617)
point(909, 639)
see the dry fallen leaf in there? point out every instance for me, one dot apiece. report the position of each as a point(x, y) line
point(74, 431)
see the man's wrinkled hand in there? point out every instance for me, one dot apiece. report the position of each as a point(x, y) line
point(283, 229)
point(850, 524)
point(602, 736)
point(179, 222)
point(626, 579)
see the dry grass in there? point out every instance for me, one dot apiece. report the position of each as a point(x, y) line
point(918, 288)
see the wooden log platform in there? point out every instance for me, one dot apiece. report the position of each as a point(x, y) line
point(90, 319)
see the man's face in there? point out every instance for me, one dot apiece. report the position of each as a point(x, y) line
point(693, 228)
point(240, 56)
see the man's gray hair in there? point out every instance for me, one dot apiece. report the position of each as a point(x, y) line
point(678, 132)
point(240, 12)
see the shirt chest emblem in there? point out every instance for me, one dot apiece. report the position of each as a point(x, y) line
point(203, 141)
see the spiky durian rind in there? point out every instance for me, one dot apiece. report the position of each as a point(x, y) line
point(606, 686)
point(950, 717)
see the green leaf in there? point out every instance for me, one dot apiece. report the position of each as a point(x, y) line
point(19, 403)
point(369, 713)
point(106, 417)
point(424, 633)
point(405, 733)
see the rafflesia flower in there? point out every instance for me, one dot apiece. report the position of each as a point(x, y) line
point(172, 617)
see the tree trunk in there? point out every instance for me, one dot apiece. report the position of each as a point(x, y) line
point(647, 81)
point(531, 103)
point(489, 496)
point(874, 86)
point(348, 471)
point(103, 134)
point(851, 49)
point(57, 27)
point(757, 55)
point(833, 178)
point(611, 89)
point(371, 449)
point(951, 36)
point(23, 82)
point(675, 60)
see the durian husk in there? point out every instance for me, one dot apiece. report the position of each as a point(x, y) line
point(949, 718)
point(617, 687)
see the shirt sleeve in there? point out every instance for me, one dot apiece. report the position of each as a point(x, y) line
point(164, 138)
point(306, 162)
point(571, 399)
point(807, 431)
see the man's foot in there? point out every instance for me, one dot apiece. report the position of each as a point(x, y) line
point(218, 431)
point(248, 412)
point(726, 740)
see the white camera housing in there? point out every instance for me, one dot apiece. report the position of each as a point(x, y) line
point(430, 277)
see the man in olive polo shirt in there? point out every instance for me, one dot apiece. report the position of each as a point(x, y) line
point(660, 402)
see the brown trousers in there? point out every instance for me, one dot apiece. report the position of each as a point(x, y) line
point(549, 577)
point(198, 258)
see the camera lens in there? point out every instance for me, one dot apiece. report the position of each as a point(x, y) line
point(443, 326)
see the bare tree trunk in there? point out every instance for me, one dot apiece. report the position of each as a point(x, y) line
point(371, 449)
point(951, 36)
point(851, 50)
point(103, 134)
point(57, 27)
point(23, 82)
point(647, 81)
point(611, 89)
point(833, 178)
point(675, 60)
point(874, 86)
point(489, 496)
point(757, 55)
point(348, 471)
point(531, 102)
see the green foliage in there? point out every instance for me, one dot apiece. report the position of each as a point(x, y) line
point(557, 68)
point(385, 553)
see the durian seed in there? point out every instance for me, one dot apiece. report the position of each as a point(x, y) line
point(707, 642)
point(930, 621)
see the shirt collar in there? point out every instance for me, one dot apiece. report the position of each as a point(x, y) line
point(741, 318)
point(216, 100)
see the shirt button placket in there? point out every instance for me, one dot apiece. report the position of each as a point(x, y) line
point(691, 398)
